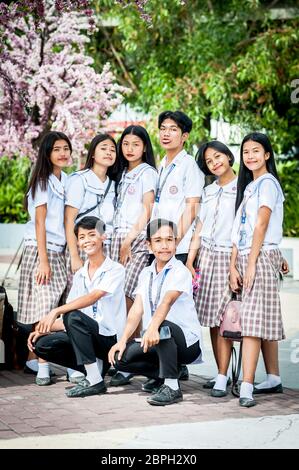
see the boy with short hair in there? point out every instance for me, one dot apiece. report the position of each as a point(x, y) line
point(93, 317)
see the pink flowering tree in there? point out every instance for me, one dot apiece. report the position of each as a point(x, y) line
point(47, 81)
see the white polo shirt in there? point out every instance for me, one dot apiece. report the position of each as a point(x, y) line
point(217, 215)
point(84, 190)
point(53, 197)
point(184, 180)
point(182, 312)
point(264, 191)
point(134, 184)
point(110, 310)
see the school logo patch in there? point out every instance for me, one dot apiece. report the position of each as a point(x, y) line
point(131, 190)
point(173, 189)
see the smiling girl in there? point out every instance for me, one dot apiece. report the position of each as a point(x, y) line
point(43, 273)
point(211, 240)
point(256, 260)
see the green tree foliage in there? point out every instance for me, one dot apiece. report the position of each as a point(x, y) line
point(234, 60)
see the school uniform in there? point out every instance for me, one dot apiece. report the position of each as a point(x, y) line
point(261, 309)
point(35, 301)
point(177, 181)
point(92, 331)
point(217, 213)
point(129, 207)
point(185, 344)
point(92, 197)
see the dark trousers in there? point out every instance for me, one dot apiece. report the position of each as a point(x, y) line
point(161, 361)
point(181, 257)
point(81, 344)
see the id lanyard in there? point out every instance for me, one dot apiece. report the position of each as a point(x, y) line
point(160, 188)
point(95, 305)
point(154, 305)
point(212, 240)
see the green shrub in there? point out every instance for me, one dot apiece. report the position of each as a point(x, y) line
point(289, 178)
point(14, 173)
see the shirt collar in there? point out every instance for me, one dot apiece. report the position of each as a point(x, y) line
point(177, 159)
point(105, 266)
point(169, 265)
point(57, 185)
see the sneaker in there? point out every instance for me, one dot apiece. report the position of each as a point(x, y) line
point(183, 373)
point(43, 381)
point(152, 385)
point(118, 379)
point(84, 389)
point(165, 396)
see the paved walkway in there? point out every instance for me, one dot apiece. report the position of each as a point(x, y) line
point(43, 417)
point(31, 411)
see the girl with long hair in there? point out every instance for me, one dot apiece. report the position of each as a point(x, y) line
point(43, 273)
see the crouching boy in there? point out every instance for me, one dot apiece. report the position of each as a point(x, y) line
point(92, 318)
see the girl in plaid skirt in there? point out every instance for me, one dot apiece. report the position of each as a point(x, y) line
point(256, 262)
point(211, 242)
point(43, 273)
point(136, 185)
point(90, 192)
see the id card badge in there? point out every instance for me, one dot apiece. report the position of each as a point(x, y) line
point(94, 311)
point(242, 241)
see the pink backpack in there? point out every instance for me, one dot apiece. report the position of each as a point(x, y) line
point(230, 326)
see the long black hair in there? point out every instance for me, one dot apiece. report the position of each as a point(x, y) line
point(245, 175)
point(215, 145)
point(43, 166)
point(147, 156)
point(112, 170)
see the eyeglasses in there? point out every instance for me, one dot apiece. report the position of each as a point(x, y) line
point(171, 129)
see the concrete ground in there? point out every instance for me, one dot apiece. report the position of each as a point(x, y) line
point(43, 417)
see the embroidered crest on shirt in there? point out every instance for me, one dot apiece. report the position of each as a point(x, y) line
point(173, 189)
point(131, 189)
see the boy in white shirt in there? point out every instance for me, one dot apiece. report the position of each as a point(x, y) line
point(180, 182)
point(93, 317)
point(164, 302)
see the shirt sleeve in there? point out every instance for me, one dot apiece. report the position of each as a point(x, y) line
point(74, 191)
point(194, 181)
point(141, 282)
point(113, 280)
point(149, 181)
point(40, 197)
point(267, 194)
point(73, 294)
point(180, 280)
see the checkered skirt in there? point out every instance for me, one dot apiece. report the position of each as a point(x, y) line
point(261, 310)
point(35, 301)
point(214, 267)
point(140, 258)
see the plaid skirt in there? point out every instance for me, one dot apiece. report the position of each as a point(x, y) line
point(261, 310)
point(70, 275)
point(214, 266)
point(35, 301)
point(140, 258)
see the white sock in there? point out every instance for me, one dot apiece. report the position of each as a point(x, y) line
point(221, 382)
point(43, 370)
point(100, 365)
point(246, 390)
point(272, 381)
point(172, 383)
point(93, 374)
point(32, 364)
point(74, 373)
